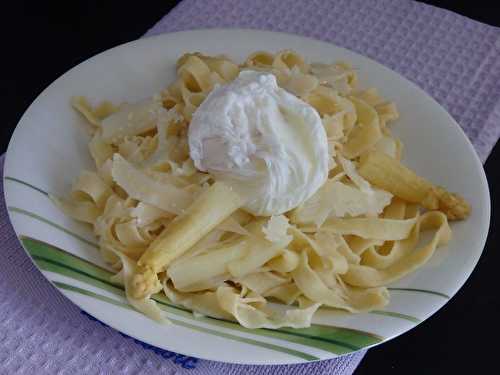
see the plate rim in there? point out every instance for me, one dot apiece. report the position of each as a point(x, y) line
point(485, 193)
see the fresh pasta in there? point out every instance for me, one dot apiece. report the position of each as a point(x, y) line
point(166, 227)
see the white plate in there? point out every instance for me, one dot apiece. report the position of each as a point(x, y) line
point(49, 148)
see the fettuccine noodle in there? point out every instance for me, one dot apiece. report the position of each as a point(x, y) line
point(339, 249)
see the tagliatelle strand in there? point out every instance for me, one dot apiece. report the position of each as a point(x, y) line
point(365, 276)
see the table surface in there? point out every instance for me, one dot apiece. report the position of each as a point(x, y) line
point(45, 39)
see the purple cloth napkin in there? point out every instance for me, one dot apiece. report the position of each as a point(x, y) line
point(453, 58)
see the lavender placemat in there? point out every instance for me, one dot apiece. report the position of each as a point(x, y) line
point(453, 58)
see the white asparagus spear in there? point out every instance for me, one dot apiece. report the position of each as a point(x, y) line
point(211, 208)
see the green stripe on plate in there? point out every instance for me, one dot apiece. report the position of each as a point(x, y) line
point(49, 252)
point(396, 315)
point(13, 179)
point(245, 340)
point(48, 265)
point(337, 340)
point(421, 291)
point(51, 223)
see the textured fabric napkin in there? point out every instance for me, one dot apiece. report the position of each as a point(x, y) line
point(453, 58)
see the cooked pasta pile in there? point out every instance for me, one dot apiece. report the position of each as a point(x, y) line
point(339, 249)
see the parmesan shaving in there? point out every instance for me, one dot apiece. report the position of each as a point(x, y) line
point(143, 188)
point(132, 119)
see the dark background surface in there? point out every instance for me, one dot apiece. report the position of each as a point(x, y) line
point(42, 40)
